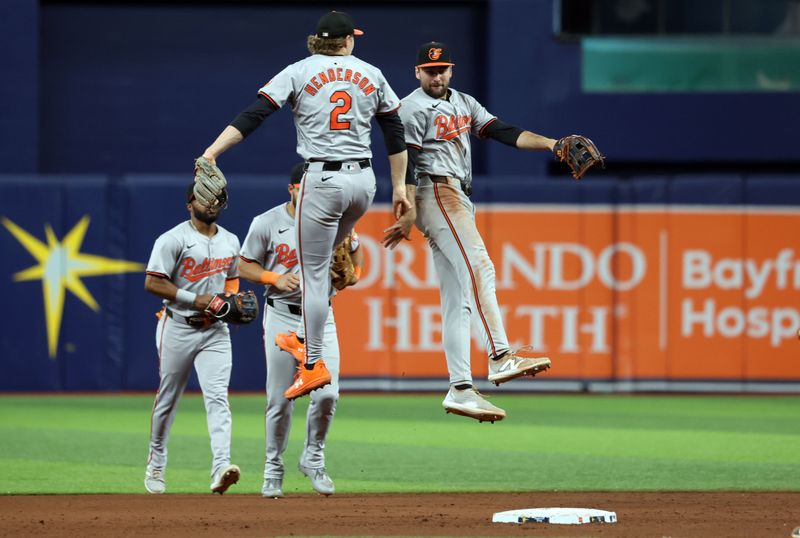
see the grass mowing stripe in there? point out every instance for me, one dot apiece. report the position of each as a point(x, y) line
point(393, 443)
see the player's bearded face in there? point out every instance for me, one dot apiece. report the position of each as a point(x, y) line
point(435, 80)
point(203, 213)
point(294, 191)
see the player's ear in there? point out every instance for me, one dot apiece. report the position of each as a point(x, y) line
point(416, 72)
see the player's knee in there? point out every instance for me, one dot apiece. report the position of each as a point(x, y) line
point(327, 401)
point(278, 402)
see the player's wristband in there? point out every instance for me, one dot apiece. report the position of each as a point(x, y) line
point(268, 277)
point(185, 297)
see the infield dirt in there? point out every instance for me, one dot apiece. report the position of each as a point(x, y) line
point(675, 514)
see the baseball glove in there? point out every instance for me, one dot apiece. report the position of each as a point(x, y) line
point(579, 153)
point(209, 183)
point(239, 308)
point(342, 269)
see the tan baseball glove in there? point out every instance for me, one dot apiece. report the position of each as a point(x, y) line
point(579, 153)
point(342, 268)
point(209, 183)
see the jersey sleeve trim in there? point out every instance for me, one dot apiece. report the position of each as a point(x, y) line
point(159, 275)
point(414, 146)
point(392, 111)
point(231, 278)
point(485, 125)
point(270, 99)
point(247, 259)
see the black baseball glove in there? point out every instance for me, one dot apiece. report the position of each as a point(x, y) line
point(239, 308)
point(209, 183)
point(579, 153)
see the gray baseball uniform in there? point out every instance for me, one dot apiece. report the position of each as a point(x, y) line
point(199, 264)
point(333, 99)
point(445, 214)
point(270, 242)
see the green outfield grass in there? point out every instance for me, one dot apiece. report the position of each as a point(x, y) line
point(394, 443)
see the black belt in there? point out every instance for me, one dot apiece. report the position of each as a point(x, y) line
point(446, 179)
point(198, 321)
point(335, 166)
point(295, 309)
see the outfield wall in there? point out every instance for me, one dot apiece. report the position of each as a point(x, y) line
point(674, 283)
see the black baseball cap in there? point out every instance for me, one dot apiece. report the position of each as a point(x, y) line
point(336, 24)
point(296, 175)
point(434, 54)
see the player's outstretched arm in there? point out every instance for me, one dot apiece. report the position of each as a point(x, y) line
point(516, 137)
point(164, 288)
point(228, 138)
point(534, 142)
point(242, 125)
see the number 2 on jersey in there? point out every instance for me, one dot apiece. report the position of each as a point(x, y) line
point(343, 103)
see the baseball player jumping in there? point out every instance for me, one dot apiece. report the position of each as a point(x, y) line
point(438, 121)
point(334, 97)
point(190, 263)
point(269, 257)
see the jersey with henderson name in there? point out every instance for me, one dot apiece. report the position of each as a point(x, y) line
point(441, 129)
point(194, 262)
point(333, 99)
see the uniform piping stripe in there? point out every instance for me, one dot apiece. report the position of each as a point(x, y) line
point(395, 109)
point(158, 392)
point(270, 99)
point(488, 123)
point(300, 253)
point(413, 146)
point(247, 259)
point(159, 275)
point(469, 267)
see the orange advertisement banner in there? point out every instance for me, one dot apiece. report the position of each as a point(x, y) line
point(662, 292)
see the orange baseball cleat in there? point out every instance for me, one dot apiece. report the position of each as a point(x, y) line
point(289, 343)
point(307, 380)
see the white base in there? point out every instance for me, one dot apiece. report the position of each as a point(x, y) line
point(557, 516)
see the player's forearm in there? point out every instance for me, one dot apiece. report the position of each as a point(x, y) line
point(250, 271)
point(397, 165)
point(534, 142)
point(228, 138)
point(161, 287)
point(411, 192)
point(164, 288)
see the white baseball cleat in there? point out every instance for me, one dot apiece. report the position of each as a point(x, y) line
point(471, 403)
point(225, 479)
point(517, 363)
point(154, 481)
point(320, 480)
point(272, 488)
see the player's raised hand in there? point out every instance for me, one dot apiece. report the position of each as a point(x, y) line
point(287, 282)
